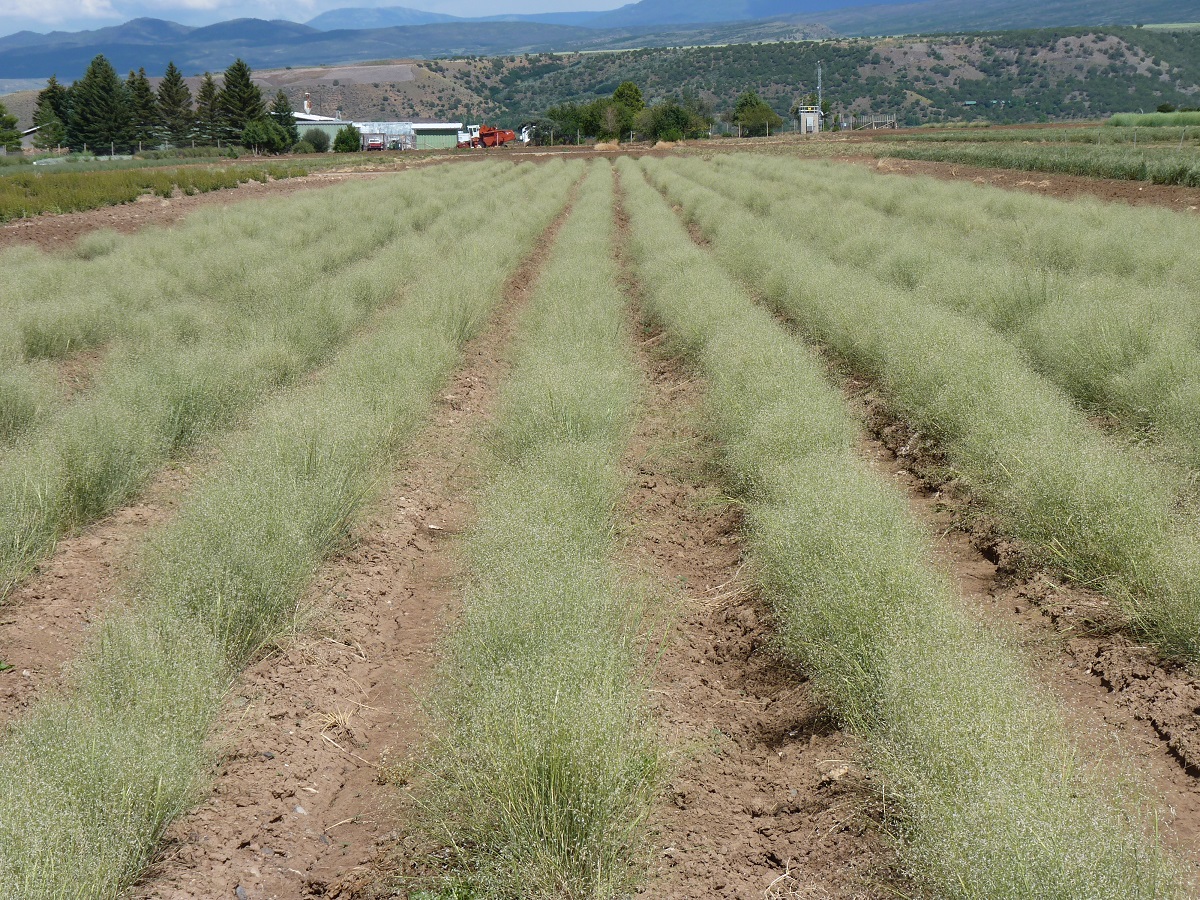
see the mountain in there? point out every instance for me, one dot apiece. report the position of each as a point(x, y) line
point(135, 31)
point(941, 16)
point(380, 17)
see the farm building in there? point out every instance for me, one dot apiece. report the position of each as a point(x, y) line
point(396, 135)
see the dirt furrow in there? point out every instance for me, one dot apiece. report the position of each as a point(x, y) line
point(300, 807)
point(766, 796)
point(1118, 697)
point(45, 620)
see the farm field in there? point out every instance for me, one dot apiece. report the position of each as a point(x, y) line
point(686, 525)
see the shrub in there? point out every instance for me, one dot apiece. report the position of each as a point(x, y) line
point(348, 140)
point(317, 138)
point(304, 147)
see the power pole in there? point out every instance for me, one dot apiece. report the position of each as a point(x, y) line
point(820, 91)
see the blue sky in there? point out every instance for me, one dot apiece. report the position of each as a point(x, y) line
point(73, 15)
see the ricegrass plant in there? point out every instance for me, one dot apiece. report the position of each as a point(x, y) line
point(89, 780)
point(1095, 512)
point(993, 799)
point(545, 764)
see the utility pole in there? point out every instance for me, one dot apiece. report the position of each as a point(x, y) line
point(820, 91)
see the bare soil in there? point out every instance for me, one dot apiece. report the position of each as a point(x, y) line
point(766, 796)
point(301, 806)
point(1124, 706)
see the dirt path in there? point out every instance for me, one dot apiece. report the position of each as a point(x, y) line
point(766, 796)
point(1118, 698)
point(297, 809)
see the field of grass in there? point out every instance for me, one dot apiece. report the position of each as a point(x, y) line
point(995, 800)
point(1048, 351)
point(1099, 134)
point(89, 781)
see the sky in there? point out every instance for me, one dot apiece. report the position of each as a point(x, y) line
point(75, 15)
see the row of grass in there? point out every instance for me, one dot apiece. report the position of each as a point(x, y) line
point(89, 782)
point(545, 765)
point(1101, 298)
point(1157, 165)
point(191, 369)
point(1155, 120)
point(993, 802)
point(1071, 135)
point(31, 193)
point(1093, 511)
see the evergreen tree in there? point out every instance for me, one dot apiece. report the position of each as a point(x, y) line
point(10, 137)
point(51, 131)
point(281, 112)
point(208, 113)
point(347, 140)
point(145, 131)
point(100, 116)
point(57, 97)
point(50, 116)
point(240, 101)
point(175, 106)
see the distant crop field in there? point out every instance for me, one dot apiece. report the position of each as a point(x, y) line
point(1155, 120)
point(950, 431)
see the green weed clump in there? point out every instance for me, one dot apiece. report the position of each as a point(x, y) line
point(190, 348)
point(89, 781)
point(1093, 511)
point(544, 765)
point(992, 801)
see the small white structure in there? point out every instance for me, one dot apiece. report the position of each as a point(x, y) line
point(810, 119)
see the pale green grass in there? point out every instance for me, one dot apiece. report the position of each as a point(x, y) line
point(218, 340)
point(544, 765)
point(89, 781)
point(994, 802)
point(1095, 512)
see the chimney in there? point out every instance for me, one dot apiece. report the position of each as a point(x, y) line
point(307, 103)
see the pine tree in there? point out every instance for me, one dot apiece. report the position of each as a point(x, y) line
point(100, 117)
point(175, 106)
point(240, 101)
point(145, 131)
point(208, 113)
point(281, 112)
point(50, 116)
point(51, 132)
point(10, 137)
point(57, 97)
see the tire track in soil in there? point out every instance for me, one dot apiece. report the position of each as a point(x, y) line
point(766, 796)
point(1117, 696)
point(299, 808)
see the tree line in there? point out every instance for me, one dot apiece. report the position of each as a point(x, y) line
point(104, 113)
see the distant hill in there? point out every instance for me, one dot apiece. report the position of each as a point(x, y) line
point(650, 23)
